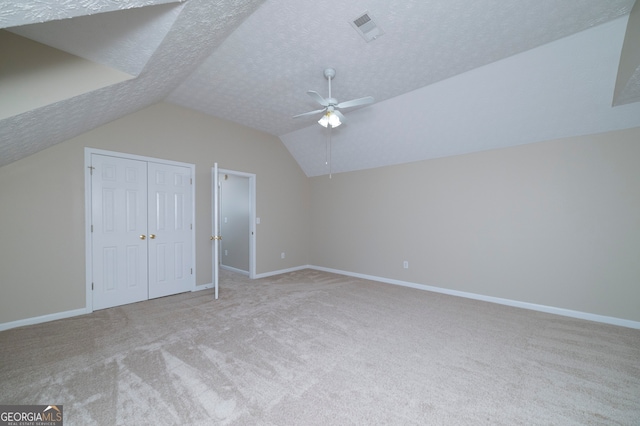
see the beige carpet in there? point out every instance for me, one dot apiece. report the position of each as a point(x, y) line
point(312, 348)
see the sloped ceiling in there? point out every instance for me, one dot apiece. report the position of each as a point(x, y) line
point(199, 28)
point(448, 76)
point(123, 39)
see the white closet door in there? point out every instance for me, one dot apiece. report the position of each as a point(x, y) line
point(119, 221)
point(170, 234)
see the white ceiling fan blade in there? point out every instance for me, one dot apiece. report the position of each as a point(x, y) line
point(340, 116)
point(318, 111)
point(355, 102)
point(319, 99)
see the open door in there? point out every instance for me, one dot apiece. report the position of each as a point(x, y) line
point(215, 237)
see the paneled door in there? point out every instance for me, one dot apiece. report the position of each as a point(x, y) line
point(169, 229)
point(119, 231)
point(141, 230)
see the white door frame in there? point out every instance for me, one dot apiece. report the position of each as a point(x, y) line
point(215, 229)
point(87, 211)
point(252, 213)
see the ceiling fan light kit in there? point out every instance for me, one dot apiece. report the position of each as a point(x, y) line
point(330, 119)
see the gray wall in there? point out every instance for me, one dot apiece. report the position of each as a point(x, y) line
point(554, 223)
point(42, 261)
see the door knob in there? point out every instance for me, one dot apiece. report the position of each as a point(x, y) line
point(142, 237)
point(152, 236)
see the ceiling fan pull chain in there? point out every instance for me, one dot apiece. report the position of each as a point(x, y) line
point(326, 152)
point(330, 150)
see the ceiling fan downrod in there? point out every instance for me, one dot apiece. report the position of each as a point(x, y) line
point(329, 73)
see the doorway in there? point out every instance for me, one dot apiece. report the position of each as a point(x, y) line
point(236, 194)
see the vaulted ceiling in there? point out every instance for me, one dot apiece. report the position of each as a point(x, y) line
point(448, 76)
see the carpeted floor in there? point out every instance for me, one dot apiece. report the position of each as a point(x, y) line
point(313, 348)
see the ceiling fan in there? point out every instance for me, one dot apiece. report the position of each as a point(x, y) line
point(332, 115)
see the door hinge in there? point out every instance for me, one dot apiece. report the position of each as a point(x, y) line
point(91, 286)
point(191, 226)
point(191, 271)
point(91, 170)
point(91, 228)
point(191, 181)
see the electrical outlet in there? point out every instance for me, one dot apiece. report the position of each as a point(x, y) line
point(282, 255)
point(405, 264)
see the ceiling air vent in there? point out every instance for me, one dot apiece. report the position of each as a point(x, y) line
point(366, 27)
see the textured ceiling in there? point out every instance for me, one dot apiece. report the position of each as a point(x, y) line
point(124, 39)
point(23, 12)
point(262, 71)
point(448, 76)
point(201, 26)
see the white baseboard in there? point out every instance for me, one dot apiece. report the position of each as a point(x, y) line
point(282, 271)
point(43, 318)
point(515, 303)
point(263, 275)
point(202, 287)
point(232, 269)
